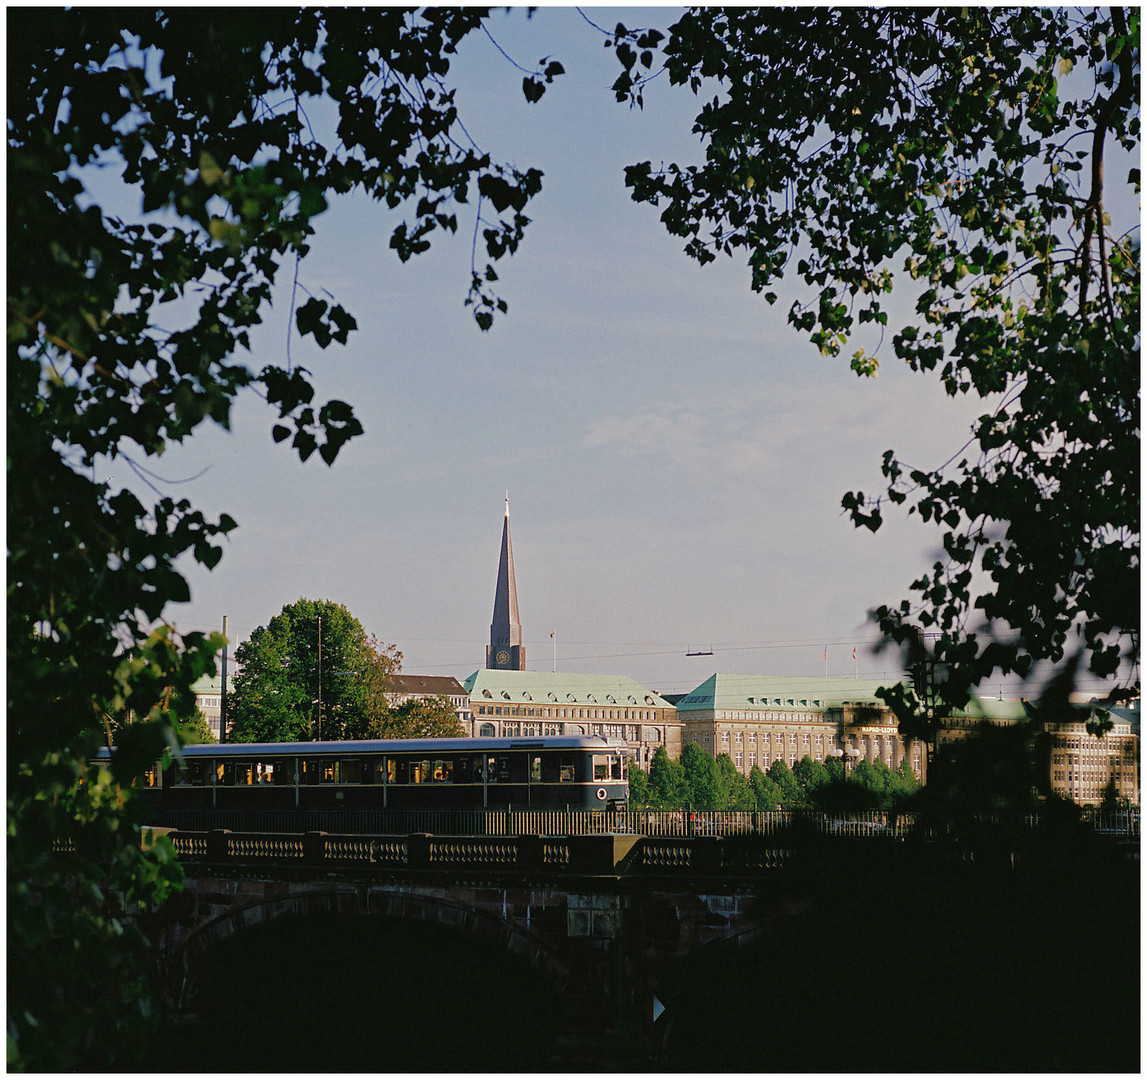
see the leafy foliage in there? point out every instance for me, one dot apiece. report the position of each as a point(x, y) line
point(163, 169)
point(700, 782)
point(418, 718)
point(958, 154)
point(310, 656)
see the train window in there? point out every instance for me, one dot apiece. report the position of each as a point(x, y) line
point(326, 771)
point(443, 772)
point(419, 772)
point(617, 767)
point(151, 777)
point(601, 766)
point(566, 770)
point(348, 771)
point(195, 772)
point(242, 774)
point(536, 769)
point(221, 776)
point(498, 769)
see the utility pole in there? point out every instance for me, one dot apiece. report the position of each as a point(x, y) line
point(320, 724)
point(223, 688)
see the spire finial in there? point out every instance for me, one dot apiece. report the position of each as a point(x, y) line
point(507, 503)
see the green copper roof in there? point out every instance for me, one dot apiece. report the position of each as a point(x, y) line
point(979, 708)
point(560, 688)
point(721, 691)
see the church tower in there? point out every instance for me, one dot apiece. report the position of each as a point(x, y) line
point(505, 651)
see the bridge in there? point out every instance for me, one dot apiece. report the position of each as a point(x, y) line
point(600, 918)
point(610, 923)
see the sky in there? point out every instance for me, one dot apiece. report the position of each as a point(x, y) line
point(674, 453)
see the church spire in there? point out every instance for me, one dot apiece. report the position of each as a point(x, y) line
point(505, 650)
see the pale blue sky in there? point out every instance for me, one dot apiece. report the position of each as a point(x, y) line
point(675, 454)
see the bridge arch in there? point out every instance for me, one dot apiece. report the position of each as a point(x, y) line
point(184, 960)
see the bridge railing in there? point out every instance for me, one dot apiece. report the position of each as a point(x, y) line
point(660, 823)
point(592, 853)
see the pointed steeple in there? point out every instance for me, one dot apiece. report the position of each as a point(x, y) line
point(505, 650)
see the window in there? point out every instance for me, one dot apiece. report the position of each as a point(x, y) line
point(486, 731)
point(498, 768)
point(536, 769)
point(349, 771)
point(442, 771)
point(566, 769)
point(600, 767)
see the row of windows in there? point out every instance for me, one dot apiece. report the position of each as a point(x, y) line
point(566, 713)
point(774, 717)
point(494, 768)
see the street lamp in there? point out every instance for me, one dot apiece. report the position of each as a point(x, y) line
point(845, 756)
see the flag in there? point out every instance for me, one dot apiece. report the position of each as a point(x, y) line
point(854, 652)
point(553, 631)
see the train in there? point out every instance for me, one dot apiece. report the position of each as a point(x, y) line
point(542, 773)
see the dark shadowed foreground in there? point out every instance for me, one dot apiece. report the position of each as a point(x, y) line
point(1016, 957)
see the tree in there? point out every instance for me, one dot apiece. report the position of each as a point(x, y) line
point(963, 156)
point(381, 665)
point(904, 783)
point(705, 788)
point(638, 786)
point(768, 794)
point(736, 791)
point(302, 676)
point(667, 788)
point(792, 797)
point(810, 774)
point(875, 778)
point(418, 718)
point(126, 321)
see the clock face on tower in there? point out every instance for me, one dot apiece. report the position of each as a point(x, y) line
point(502, 657)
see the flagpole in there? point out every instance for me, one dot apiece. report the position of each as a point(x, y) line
point(825, 664)
point(554, 639)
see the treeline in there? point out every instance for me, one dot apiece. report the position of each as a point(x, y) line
point(698, 781)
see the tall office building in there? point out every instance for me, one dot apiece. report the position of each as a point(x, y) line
point(505, 651)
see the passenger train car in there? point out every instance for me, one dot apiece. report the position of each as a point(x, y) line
point(554, 773)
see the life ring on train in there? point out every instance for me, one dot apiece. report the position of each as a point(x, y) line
point(601, 793)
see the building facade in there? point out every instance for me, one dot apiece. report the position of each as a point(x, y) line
point(523, 703)
point(208, 690)
point(426, 687)
point(759, 719)
point(1084, 766)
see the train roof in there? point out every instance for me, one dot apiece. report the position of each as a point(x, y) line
point(378, 746)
